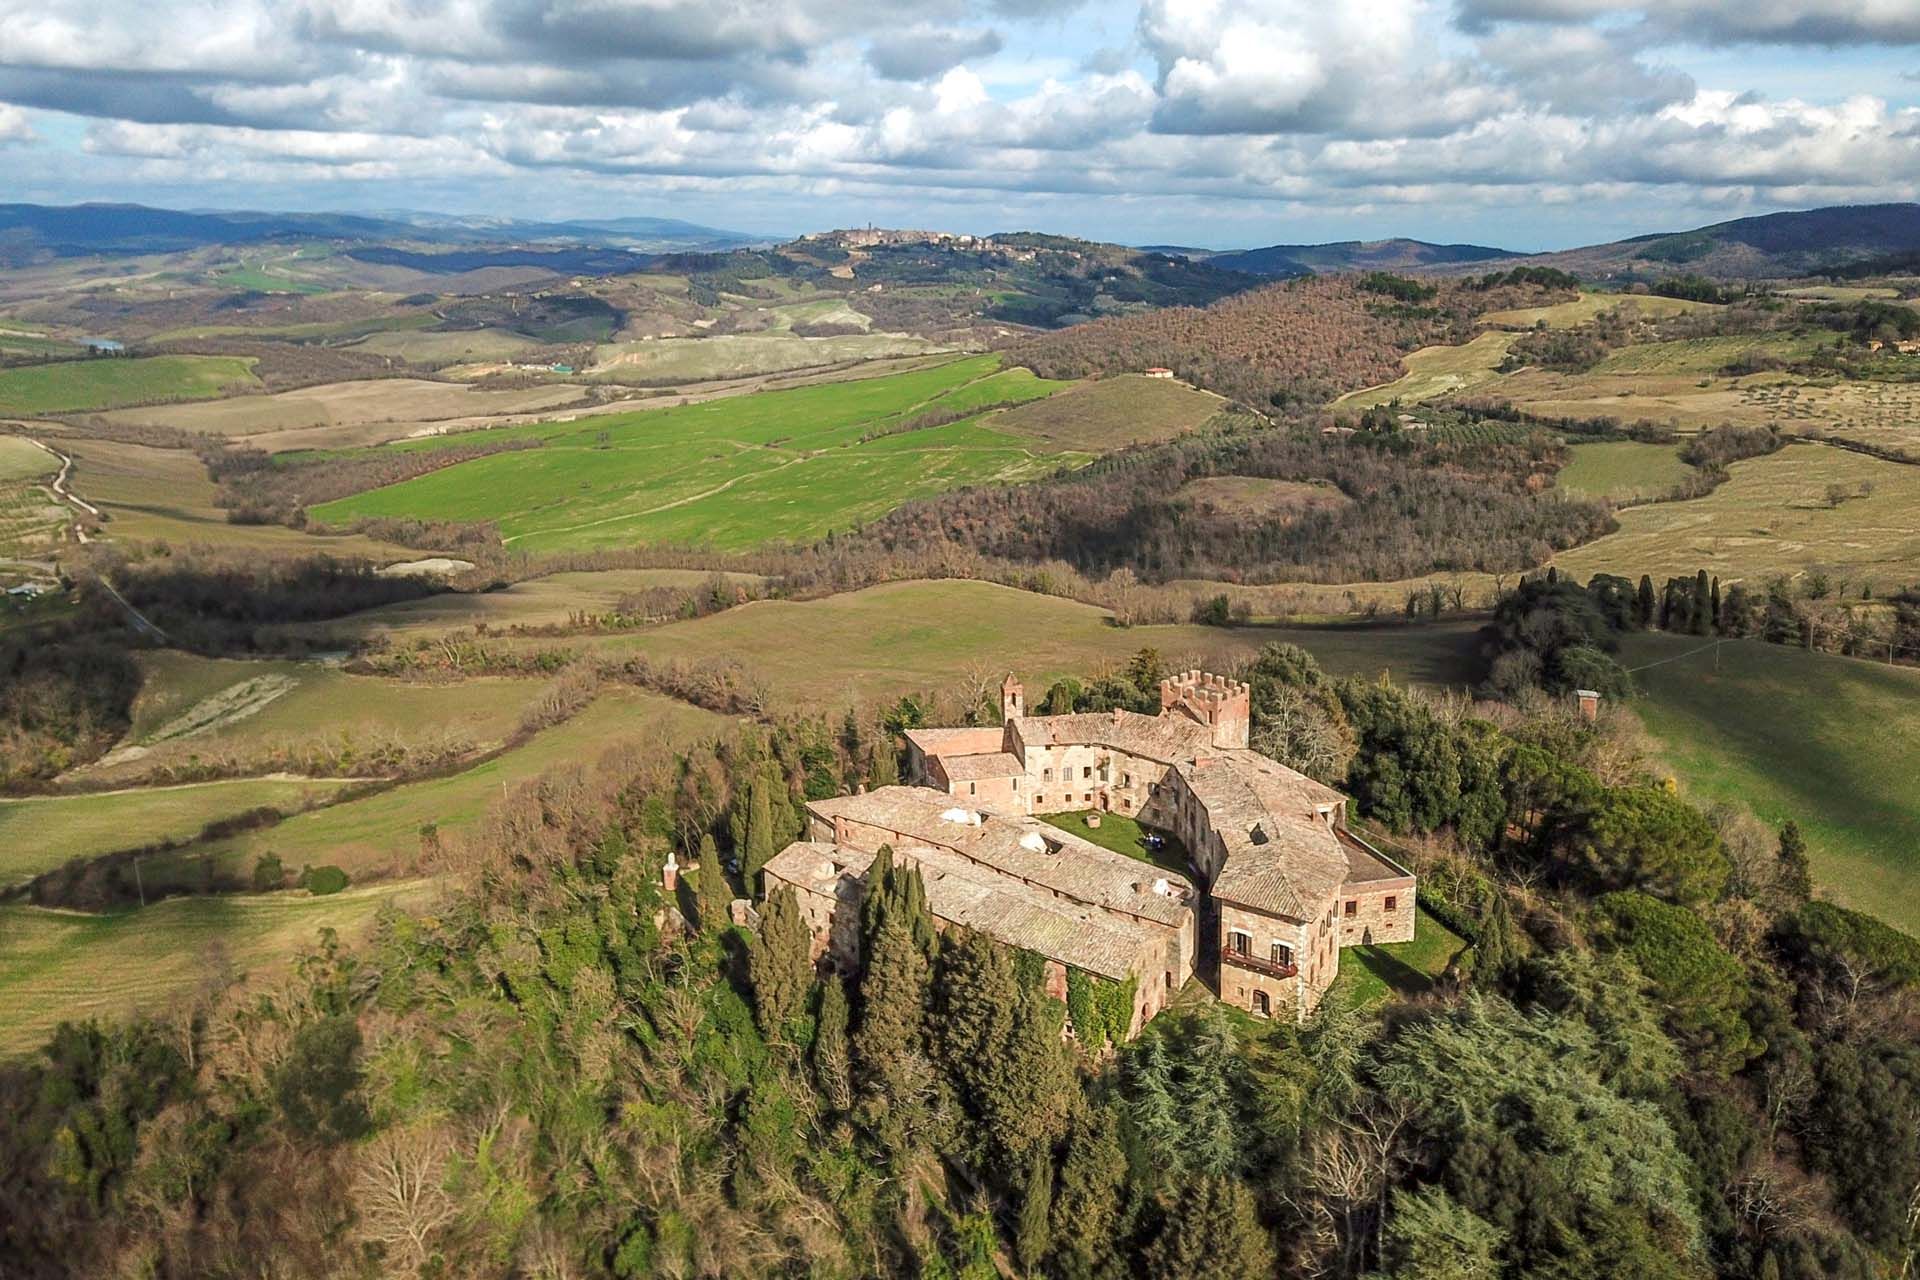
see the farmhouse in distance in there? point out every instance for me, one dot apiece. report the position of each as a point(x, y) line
point(1283, 883)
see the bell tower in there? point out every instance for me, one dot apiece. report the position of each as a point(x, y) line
point(1013, 698)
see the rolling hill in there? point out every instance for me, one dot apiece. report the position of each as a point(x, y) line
point(1355, 255)
point(1842, 239)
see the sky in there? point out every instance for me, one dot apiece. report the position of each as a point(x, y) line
point(1527, 124)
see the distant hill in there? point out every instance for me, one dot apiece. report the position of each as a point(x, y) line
point(1846, 239)
point(29, 231)
point(1354, 255)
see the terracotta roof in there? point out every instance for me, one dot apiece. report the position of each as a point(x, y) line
point(998, 764)
point(964, 893)
point(1024, 848)
point(1282, 854)
point(959, 742)
point(1163, 738)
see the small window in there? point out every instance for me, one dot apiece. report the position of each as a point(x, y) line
point(973, 789)
point(1261, 1009)
point(1393, 904)
point(1086, 771)
point(1046, 775)
point(1353, 909)
point(1016, 784)
point(1041, 798)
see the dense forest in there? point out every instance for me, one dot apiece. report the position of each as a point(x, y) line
point(1657, 1058)
point(1411, 508)
point(1302, 342)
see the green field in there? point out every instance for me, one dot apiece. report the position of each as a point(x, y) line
point(915, 636)
point(21, 459)
point(381, 833)
point(1369, 975)
point(1438, 371)
point(1622, 470)
point(1703, 355)
point(40, 833)
point(740, 355)
point(731, 473)
point(59, 966)
point(72, 386)
point(1111, 413)
point(1833, 743)
point(1773, 516)
point(1567, 315)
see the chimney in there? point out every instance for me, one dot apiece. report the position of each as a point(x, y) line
point(1589, 700)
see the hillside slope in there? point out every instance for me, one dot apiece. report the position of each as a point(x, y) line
point(1355, 255)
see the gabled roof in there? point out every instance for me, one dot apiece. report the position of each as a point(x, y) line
point(963, 893)
point(1025, 848)
point(1283, 855)
point(1162, 738)
point(958, 742)
point(996, 764)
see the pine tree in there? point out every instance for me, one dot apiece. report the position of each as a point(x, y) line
point(779, 962)
point(1211, 1233)
point(832, 1061)
point(712, 894)
point(760, 834)
point(1086, 1196)
point(1644, 605)
point(1496, 950)
point(1796, 874)
point(1033, 1233)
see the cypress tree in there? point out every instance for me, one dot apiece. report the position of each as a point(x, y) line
point(877, 900)
point(911, 897)
point(832, 1055)
point(1086, 1196)
point(1796, 875)
point(1717, 622)
point(712, 894)
point(892, 1074)
point(760, 834)
point(1033, 1235)
point(1644, 604)
point(1211, 1233)
point(1495, 952)
point(1702, 620)
point(779, 961)
point(883, 766)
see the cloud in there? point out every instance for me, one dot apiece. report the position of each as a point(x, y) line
point(1812, 22)
point(14, 126)
point(921, 53)
point(1474, 107)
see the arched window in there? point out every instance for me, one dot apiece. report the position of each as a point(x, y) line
point(1261, 1009)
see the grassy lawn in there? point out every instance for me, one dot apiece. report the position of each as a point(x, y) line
point(59, 966)
point(1567, 315)
point(1704, 355)
point(738, 355)
point(1122, 834)
point(1833, 743)
point(733, 473)
point(40, 833)
point(1370, 975)
point(1772, 516)
point(1621, 470)
point(76, 385)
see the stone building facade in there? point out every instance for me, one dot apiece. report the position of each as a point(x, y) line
point(1283, 883)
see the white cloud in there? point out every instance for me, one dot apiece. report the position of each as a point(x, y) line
point(14, 126)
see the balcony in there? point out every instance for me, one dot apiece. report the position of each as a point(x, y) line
point(1247, 960)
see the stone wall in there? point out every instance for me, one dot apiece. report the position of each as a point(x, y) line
point(1379, 911)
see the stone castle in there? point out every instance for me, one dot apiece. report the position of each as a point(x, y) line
point(1276, 885)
